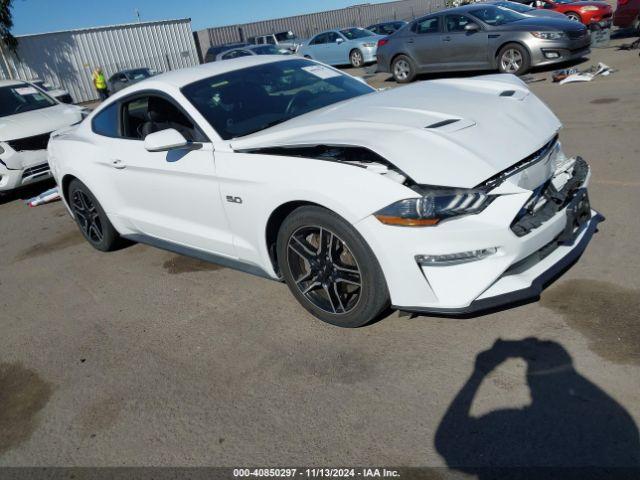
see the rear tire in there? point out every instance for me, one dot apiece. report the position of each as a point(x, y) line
point(330, 269)
point(514, 58)
point(356, 58)
point(403, 69)
point(574, 17)
point(91, 218)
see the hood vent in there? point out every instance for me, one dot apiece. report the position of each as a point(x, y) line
point(508, 93)
point(443, 123)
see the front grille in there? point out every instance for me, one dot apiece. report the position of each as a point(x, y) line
point(38, 142)
point(528, 220)
point(577, 33)
point(35, 170)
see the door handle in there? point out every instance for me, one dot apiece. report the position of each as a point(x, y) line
point(117, 163)
point(446, 39)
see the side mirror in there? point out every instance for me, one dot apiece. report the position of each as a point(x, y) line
point(471, 27)
point(339, 40)
point(167, 140)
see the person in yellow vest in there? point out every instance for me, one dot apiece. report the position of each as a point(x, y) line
point(100, 83)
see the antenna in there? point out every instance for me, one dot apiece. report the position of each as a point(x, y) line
point(137, 11)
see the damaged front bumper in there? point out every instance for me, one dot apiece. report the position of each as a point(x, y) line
point(499, 257)
point(18, 169)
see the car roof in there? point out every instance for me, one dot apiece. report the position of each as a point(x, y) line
point(9, 83)
point(185, 76)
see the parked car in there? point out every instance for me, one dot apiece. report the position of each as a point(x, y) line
point(480, 37)
point(355, 46)
point(27, 117)
point(215, 50)
point(386, 28)
point(341, 203)
point(58, 93)
point(123, 79)
point(628, 14)
point(586, 12)
point(525, 9)
point(282, 39)
point(252, 50)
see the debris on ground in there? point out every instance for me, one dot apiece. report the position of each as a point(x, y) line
point(50, 195)
point(630, 46)
point(570, 75)
point(532, 79)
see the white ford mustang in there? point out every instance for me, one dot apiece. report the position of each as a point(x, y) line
point(445, 197)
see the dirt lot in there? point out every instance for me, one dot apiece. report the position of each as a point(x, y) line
point(142, 357)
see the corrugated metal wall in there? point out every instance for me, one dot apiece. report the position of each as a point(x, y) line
point(68, 58)
point(305, 26)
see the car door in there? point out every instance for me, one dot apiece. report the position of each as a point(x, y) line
point(464, 49)
point(173, 196)
point(337, 49)
point(318, 47)
point(424, 44)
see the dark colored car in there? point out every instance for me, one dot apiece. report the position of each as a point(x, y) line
point(386, 28)
point(120, 80)
point(480, 36)
point(216, 50)
point(586, 12)
point(628, 14)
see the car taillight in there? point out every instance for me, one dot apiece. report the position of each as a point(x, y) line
point(382, 41)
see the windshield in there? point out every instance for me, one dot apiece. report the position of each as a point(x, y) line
point(22, 98)
point(518, 7)
point(270, 50)
point(139, 74)
point(353, 33)
point(282, 36)
point(496, 15)
point(251, 99)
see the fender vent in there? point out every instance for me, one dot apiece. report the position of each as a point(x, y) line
point(443, 123)
point(508, 93)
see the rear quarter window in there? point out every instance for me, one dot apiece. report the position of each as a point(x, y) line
point(106, 122)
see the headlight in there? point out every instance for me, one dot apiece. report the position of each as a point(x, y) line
point(589, 8)
point(434, 206)
point(549, 35)
point(370, 44)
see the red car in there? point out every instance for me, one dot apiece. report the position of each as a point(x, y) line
point(627, 14)
point(586, 12)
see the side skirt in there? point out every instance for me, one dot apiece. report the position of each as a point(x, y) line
point(234, 264)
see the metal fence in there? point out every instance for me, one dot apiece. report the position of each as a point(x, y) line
point(304, 26)
point(68, 58)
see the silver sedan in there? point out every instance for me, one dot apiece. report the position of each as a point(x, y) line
point(480, 36)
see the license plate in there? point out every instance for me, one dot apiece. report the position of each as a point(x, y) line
point(578, 213)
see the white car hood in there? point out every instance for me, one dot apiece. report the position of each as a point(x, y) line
point(37, 122)
point(498, 123)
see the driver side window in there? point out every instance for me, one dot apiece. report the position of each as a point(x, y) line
point(149, 114)
point(456, 23)
point(333, 37)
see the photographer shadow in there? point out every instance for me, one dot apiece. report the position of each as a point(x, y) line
point(569, 423)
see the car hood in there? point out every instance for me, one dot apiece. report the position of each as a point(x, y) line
point(37, 122)
point(453, 132)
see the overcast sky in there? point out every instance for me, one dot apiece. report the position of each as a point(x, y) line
point(39, 16)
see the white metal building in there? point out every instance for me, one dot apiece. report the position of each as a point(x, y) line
point(68, 58)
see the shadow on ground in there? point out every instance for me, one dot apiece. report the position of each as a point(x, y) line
point(569, 423)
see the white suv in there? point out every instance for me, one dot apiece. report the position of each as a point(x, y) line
point(27, 118)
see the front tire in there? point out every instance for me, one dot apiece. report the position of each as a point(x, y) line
point(403, 69)
point(330, 269)
point(514, 58)
point(356, 58)
point(91, 218)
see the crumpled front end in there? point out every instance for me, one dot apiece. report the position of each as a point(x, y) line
point(23, 162)
point(538, 224)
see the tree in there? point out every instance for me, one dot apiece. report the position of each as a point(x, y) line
point(6, 23)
